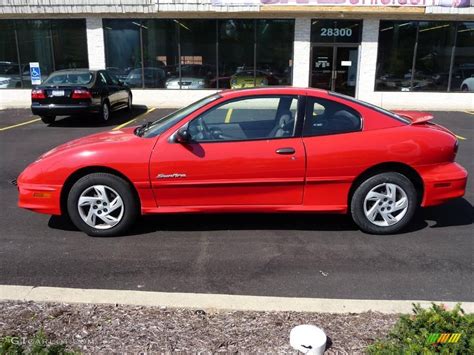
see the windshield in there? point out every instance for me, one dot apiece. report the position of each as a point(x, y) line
point(76, 78)
point(157, 127)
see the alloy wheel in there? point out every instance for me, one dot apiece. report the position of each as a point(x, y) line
point(385, 204)
point(105, 112)
point(100, 207)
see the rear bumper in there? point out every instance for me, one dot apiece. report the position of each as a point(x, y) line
point(40, 198)
point(443, 183)
point(60, 110)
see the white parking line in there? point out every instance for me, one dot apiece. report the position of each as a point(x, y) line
point(212, 301)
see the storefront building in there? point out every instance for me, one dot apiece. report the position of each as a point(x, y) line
point(412, 54)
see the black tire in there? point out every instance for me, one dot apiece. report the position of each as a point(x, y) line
point(358, 201)
point(104, 112)
point(48, 119)
point(129, 103)
point(123, 189)
point(465, 88)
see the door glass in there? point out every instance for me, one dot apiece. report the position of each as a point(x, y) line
point(321, 68)
point(247, 119)
point(346, 67)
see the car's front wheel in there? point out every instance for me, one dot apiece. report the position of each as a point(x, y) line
point(102, 205)
point(48, 119)
point(384, 203)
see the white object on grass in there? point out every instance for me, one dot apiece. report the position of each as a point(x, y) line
point(308, 339)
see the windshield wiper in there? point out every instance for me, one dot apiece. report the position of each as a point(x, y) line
point(140, 131)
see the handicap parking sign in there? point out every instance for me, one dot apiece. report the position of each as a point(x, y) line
point(35, 73)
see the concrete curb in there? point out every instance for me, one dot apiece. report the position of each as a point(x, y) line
point(211, 301)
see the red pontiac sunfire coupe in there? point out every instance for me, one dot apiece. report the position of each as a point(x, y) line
point(254, 150)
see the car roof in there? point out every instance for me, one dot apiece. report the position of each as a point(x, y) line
point(268, 90)
point(74, 70)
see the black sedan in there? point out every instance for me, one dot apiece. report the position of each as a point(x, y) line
point(78, 91)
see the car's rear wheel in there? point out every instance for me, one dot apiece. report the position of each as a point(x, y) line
point(465, 88)
point(48, 119)
point(102, 205)
point(104, 112)
point(384, 203)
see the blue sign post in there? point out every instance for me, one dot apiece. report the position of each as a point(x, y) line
point(35, 73)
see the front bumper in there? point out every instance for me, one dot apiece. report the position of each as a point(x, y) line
point(62, 110)
point(443, 183)
point(40, 198)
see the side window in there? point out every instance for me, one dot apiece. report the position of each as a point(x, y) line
point(249, 118)
point(102, 79)
point(112, 77)
point(329, 117)
point(107, 78)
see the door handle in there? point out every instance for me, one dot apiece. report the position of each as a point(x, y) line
point(285, 151)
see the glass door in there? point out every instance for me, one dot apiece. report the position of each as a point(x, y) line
point(334, 68)
point(345, 76)
point(322, 64)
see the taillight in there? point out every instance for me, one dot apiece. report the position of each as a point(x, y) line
point(81, 94)
point(37, 94)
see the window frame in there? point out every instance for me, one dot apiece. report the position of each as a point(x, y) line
point(307, 114)
point(299, 118)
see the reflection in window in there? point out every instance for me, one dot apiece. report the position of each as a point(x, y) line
point(274, 60)
point(122, 50)
point(9, 66)
point(395, 55)
point(433, 56)
point(160, 52)
point(54, 44)
point(236, 53)
point(35, 45)
point(69, 44)
point(418, 56)
point(462, 77)
point(198, 54)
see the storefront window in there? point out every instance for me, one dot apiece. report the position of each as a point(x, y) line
point(462, 77)
point(122, 50)
point(69, 44)
point(418, 56)
point(395, 55)
point(54, 44)
point(236, 53)
point(9, 66)
point(160, 52)
point(198, 55)
point(274, 62)
point(335, 31)
point(35, 45)
point(433, 56)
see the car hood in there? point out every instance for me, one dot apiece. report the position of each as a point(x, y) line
point(109, 137)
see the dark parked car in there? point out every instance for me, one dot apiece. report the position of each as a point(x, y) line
point(77, 91)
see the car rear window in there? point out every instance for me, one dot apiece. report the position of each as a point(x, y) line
point(76, 78)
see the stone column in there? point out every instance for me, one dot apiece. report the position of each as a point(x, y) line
point(301, 52)
point(95, 43)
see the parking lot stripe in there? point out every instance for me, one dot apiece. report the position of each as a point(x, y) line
point(133, 120)
point(460, 137)
point(220, 302)
point(19, 124)
point(470, 112)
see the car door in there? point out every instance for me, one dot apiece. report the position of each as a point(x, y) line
point(246, 151)
point(122, 92)
point(113, 91)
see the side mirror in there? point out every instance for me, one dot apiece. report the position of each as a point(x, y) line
point(182, 135)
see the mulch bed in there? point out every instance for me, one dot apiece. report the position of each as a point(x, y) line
point(90, 328)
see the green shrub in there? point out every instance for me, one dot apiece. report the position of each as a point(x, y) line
point(422, 333)
point(38, 345)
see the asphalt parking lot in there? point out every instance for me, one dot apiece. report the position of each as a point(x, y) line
point(297, 255)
